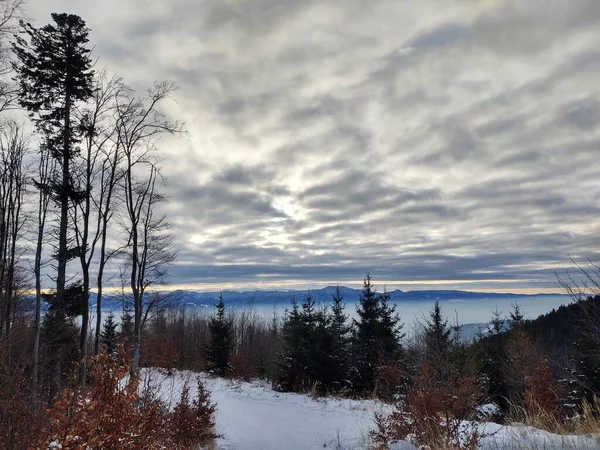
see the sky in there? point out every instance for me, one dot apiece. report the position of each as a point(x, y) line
point(434, 144)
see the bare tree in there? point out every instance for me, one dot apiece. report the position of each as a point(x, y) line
point(10, 12)
point(98, 177)
point(46, 166)
point(13, 149)
point(149, 252)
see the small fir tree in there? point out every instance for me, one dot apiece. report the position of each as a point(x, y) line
point(108, 336)
point(438, 343)
point(221, 340)
point(126, 331)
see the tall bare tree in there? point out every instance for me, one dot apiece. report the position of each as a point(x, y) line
point(140, 125)
point(46, 167)
point(10, 12)
point(14, 147)
point(98, 175)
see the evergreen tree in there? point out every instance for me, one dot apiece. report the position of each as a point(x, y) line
point(516, 316)
point(54, 75)
point(490, 353)
point(586, 372)
point(291, 361)
point(108, 336)
point(438, 344)
point(390, 330)
point(497, 322)
point(339, 334)
point(376, 337)
point(221, 340)
point(126, 332)
point(59, 343)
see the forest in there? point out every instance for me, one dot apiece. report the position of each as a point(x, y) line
point(80, 210)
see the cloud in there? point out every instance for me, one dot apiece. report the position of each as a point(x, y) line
point(416, 140)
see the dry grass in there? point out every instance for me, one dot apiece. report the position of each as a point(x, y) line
point(586, 423)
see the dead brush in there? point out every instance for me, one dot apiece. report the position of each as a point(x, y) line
point(111, 414)
point(434, 416)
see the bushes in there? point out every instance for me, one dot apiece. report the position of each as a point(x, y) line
point(433, 416)
point(111, 414)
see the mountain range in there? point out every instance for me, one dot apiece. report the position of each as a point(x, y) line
point(188, 298)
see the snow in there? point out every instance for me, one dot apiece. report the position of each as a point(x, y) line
point(250, 415)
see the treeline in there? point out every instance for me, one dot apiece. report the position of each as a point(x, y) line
point(532, 371)
point(78, 196)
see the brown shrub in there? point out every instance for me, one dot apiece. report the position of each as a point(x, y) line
point(241, 368)
point(434, 415)
point(112, 415)
point(19, 415)
point(192, 423)
point(390, 382)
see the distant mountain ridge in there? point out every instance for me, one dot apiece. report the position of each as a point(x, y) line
point(190, 298)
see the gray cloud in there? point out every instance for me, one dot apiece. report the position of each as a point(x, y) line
point(416, 140)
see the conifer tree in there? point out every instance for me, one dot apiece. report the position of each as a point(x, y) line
point(108, 336)
point(438, 343)
point(516, 316)
point(497, 322)
point(221, 340)
point(490, 360)
point(54, 73)
point(339, 332)
point(126, 329)
point(291, 361)
point(376, 337)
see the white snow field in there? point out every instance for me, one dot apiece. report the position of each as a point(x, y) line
point(251, 416)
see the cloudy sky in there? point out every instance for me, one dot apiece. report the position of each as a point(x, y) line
point(433, 143)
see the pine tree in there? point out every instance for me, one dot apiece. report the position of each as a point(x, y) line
point(54, 75)
point(438, 343)
point(586, 370)
point(376, 337)
point(221, 340)
point(390, 330)
point(59, 345)
point(491, 357)
point(339, 350)
point(291, 361)
point(108, 337)
point(516, 316)
point(497, 322)
point(126, 331)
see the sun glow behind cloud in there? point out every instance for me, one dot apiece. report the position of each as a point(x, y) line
point(431, 143)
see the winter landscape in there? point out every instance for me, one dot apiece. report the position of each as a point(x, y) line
point(262, 224)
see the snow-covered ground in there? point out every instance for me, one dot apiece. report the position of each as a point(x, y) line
point(252, 416)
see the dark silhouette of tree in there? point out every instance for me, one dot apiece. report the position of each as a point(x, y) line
point(221, 340)
point(438, 343)
point(497, 322)
point(291, 361)
point(126, 329)
point(54, 75)
point(516, 316)
point(339, 334)
point(376, 338)
point(108, 335)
